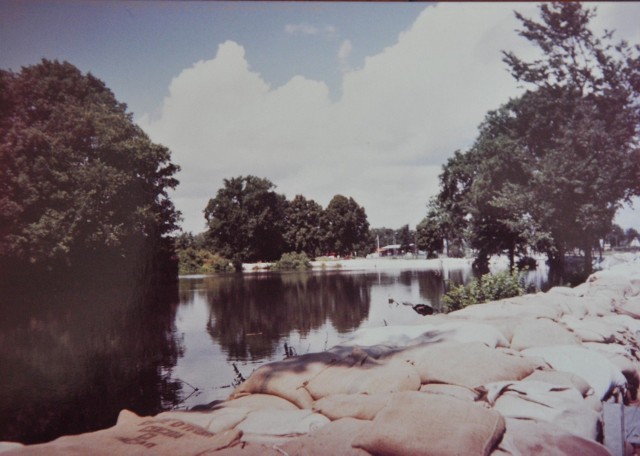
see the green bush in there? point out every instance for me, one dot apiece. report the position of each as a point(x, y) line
point(201, 261)
point(489, 287)
point(292, 261)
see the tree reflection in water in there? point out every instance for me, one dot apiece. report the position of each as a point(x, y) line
point(250, 314)
point(73, 356)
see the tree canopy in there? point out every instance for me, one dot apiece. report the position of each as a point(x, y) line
point(346, 228)
point(246, 220)
point(77, 176)
point(550, 168)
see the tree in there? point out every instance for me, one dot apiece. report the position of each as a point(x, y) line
point(429, 235)
point(346, 227)
point(80, 182)
point(582, 127)
point(245, 220)
point(383, 236)
point(303, 230)
point(405, 238)
point(550, 168)
point(631, 234)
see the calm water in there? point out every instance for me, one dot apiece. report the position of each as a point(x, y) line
point(70, 360)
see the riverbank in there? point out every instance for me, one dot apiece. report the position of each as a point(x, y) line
point(538, 371)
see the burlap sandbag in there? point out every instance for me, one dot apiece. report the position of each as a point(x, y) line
point(591, 329)
point(562, 406)
point(541, 332)
point(359, 406)
point(134, 435)
point(459, 392)
point(287, 378)
point(531, 437)
point(430, 424)
point(370, 376)
point(558, 378)
point(510, 308)
point(279, 425)
point(593, 367)
point(469, 365)
point(332, 440)
point(215, 421)
point(258, 402)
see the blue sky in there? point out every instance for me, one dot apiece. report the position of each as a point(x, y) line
point(366, 100)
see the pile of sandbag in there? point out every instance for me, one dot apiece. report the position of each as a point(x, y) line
point(519, 376)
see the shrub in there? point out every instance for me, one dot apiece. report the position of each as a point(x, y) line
point(292, 261)
point(201, 261)
point(489, 287)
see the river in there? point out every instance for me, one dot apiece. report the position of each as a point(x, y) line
point(71, 359)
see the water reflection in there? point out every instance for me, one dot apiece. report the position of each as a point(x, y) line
point(73, 356)
point(249, 315)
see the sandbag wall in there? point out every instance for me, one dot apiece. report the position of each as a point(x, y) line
point(520, 376)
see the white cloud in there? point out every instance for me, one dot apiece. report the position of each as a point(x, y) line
point(383, 141)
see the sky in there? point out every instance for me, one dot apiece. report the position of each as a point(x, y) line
point(366, 100)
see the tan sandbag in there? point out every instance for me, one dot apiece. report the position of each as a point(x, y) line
point(561, 406)
point(134, 435)
point(593, 367)
point(559, 378)
point(287, 378)
point(333, 439)
point(278, 425)
point(508, 308)
point(531, 437)
point(431, 424)
point(469, 365)
point(6, 446)
point(459, 392)
point(259, 402)
point(371, 376)
point(541, 332)
point(471, 331)
point(590, 329)
point(215, 421)
point(629, 306)
point(359, 406)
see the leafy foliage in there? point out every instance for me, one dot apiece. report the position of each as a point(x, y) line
point(486, 288)
point(550, 168)
point(292, 261)
point(78, 178)
point(246, 220)
point(303, 226)
point(201, 261)
point(345, 226)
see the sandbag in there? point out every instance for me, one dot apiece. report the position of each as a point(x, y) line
point(371, 376)
point(468, 331)
point(508, 308)
point(593, 367)
point(215, 421)
point(562, 406)
point(591, 329)
point(276, 426)
point(134, 435)
point(287, 378)
point(459, 392)
point(529, 437)
point(558, 378)
point(333, 439)
point(469, 365)
point(397, 335)
point(431, 424)
point(359, 406)
point(258, 402)
point(541, 332)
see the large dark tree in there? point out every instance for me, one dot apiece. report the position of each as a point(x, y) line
point(246, 220)
point(551, 167)
point(80, 182)
point(346, 227)
point(303, 230)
